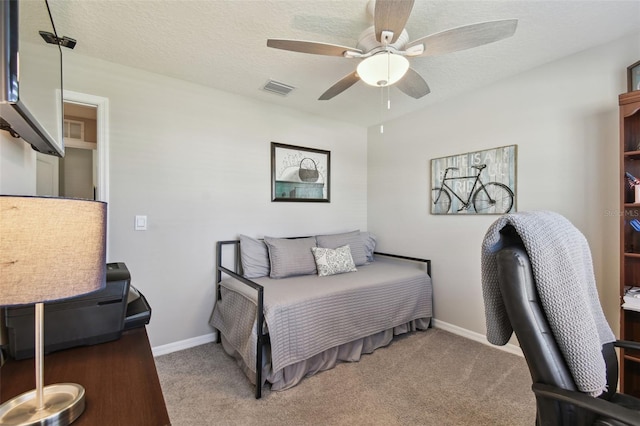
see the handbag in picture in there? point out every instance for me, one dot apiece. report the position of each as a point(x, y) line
point(308, 171)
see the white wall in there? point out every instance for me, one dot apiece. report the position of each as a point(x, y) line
point(564, 118)
point(196, 161)
point(77, 173)
point(17, 166)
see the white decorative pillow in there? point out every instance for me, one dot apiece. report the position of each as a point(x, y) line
point(333, 261)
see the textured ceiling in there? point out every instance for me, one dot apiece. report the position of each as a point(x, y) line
point(222, 44)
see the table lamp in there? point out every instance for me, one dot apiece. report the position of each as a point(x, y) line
point(50, 249)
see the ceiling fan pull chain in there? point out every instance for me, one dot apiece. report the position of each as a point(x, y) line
point(388, 99)
point(381, 110)
point(388, 79)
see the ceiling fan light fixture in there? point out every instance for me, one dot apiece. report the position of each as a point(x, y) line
point(383, 69)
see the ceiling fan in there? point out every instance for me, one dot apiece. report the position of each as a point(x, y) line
point(385, 47)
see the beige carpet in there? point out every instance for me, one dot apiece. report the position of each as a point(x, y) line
point(426, 378)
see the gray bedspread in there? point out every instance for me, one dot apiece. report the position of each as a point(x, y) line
point(307, 315)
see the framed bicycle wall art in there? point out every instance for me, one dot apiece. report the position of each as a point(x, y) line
point(480, 182)
point(300, 174)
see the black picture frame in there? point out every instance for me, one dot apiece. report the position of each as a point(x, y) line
point(300, 174)
point(633, 77)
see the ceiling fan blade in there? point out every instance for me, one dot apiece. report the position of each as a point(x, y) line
point(413, 84)
point(466, 37)
point(312, 47)
point(391, 15)
point(342, 85)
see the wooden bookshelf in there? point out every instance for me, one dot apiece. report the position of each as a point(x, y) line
point(629, 238)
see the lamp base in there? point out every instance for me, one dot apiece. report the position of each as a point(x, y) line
point(63, 403)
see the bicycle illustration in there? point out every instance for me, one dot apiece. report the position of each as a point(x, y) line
point(489, 198)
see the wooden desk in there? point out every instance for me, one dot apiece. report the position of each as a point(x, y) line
point(120, 380)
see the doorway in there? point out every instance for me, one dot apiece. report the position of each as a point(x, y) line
point(74, 175)
point(83, 171)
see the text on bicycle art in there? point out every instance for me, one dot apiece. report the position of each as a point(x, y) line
point(479, 182)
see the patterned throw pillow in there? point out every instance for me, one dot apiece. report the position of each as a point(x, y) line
point(333, 261)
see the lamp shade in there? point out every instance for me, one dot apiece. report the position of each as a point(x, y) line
point(383, 69)
point(50, 248)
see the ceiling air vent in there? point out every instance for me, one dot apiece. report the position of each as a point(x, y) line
point(278, 88)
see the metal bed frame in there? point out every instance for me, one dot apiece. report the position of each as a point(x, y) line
point(262, 336)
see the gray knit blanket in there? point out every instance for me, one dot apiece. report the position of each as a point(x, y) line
point(563, 271)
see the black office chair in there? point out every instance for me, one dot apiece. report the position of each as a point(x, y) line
point(558, 402)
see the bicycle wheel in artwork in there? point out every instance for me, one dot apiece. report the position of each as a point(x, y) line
point(479, 182)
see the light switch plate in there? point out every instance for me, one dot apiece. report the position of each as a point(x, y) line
point(141, 223)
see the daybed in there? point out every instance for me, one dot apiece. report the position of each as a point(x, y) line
point(288, 308)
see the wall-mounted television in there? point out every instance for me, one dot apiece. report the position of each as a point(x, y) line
point(30, 76)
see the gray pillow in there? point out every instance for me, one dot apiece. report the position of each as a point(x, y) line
point(369, 244)
point(254, 257)
point(291, 257)
point(353, 239)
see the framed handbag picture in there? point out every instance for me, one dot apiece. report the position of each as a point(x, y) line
point(633, 77)
point(300, 174)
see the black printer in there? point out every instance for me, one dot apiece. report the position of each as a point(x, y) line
point(93, 318)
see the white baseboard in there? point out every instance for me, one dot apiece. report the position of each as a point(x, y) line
point(183, 344)
point(211, 337)
point(472, 335)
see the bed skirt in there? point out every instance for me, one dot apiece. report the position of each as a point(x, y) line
point(291, 375)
